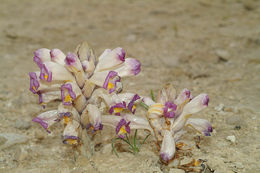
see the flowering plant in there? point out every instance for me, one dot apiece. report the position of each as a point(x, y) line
point(90, 95)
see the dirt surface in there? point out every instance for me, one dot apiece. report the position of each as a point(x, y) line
point(206, 46)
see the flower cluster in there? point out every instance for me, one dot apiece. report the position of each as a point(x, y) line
point(90, 95)
point(73, 79)
point(171, 113)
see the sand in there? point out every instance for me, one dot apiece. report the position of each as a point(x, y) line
point(207, 46)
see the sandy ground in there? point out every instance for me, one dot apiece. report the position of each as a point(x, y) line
point(206, 46)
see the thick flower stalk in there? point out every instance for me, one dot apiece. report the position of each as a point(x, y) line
point(71, 79)
point(169, 114)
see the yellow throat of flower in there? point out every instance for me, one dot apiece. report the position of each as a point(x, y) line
point(72, 141)
point(117, 110)
point(122, 130)
point(110, 85)
point(46, 77)
point(68, 98)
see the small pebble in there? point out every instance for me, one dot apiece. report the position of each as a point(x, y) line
point(20, 154)
point(12, 139)
point(22, 125)
point(220, 107)
point(231, 138)
point(239, 165)
point(234, 120)
point(222, 53)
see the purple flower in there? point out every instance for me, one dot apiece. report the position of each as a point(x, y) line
point(131, 67)
point(71, 59)
point(41, 55)
point(66, 116)
point(42, 123)
point(71, 133)
point(67, 94)
point(122, 128)
point(169, 109)
point(111, 81)
point(46, 74)
point(117, 108)
point(200, 125)
point(131, 105)
point(110, 59)
point(46, 119)
point(134, 65)
point(34, 83)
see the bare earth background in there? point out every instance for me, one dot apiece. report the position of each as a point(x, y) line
point(206, 46)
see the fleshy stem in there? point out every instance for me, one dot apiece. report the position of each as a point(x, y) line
point(134, 147)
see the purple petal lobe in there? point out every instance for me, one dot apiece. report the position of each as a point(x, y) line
point(71, 58)
point(45, 73)
point(134, 64)
point(41, 122)
point(34, 83)
point(122, 128)
point(206, 100)
point(111, 80)
point(117, 108)
point(169, 109)
point(120, 53)
point(67, 94)
point(130, 106)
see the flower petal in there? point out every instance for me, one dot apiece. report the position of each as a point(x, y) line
point(58, 56)
point(41, 56)
point(48, 96)
point(74, 65)
point(130, 67)
point(47, 119)
point(117, 108)
point(87, 57)
point(183, 96)
point(34, 83)
point(67, 94)
point(201, 125)
point(111, 81)
point(110, 59)
point(131, 105)
point(51, 71)
point(64, 109)
point(71, 133)
point(122, 128)
point(168, 147)
point(195, 105)
point(136, 121)
point(92, 116)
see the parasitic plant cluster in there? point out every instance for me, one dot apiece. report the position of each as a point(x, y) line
point(91, 96)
